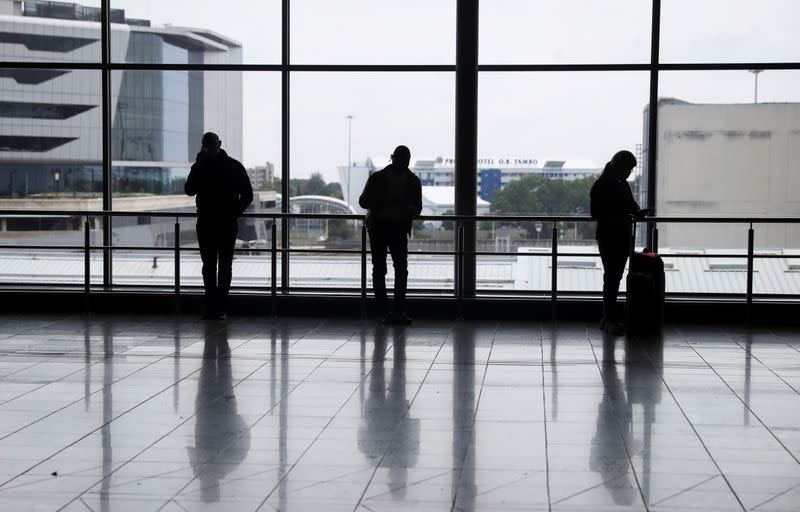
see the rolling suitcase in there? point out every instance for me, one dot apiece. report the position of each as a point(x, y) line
point(644, 297)
point(644, 301)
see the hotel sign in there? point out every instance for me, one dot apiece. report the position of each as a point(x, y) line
point(499, 161)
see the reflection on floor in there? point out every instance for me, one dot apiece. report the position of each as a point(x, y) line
point(175, 414)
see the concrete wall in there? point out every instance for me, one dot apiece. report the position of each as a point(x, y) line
point(728, 160)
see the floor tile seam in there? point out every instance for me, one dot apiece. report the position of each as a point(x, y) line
point(137, 479)
point(164, 436)
point(474, 416)
point(773, 498)
point(502, 486)
point(177, 504)
point(793, 347)
point(750, 353)
point(265, 414)
point(591, 488)
point(544, 413)
point(700, 438)
point(47, 360)
point(106, 423)
point(83, 369)
point(690, 488)
point(617, 423)
point(261, 417)
point(310, 485)
point(408, 485)
point(104, 359)
point(750, 410)
point(83, 398)
point(405, 414)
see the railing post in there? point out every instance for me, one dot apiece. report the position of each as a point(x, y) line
point(554, 273)
point(177, 256)
point(459, 271)
point(654, 235)
point(87, 264)
point(363, 269)
point(274, 268)
point(750, 261)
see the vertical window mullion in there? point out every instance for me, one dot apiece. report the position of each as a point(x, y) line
point(652, 117)
point(466, 136)
point(285, 156)
point(105, 36)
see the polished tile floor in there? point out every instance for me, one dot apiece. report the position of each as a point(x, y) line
point(111, 413)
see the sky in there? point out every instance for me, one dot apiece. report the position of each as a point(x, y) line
point(560, 115)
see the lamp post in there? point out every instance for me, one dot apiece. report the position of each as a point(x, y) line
point(349, 118)
point(756, 72)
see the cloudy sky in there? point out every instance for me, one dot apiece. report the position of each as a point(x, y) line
point(532, 115)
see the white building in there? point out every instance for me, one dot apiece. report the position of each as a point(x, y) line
point(733, 160)
point(352, 179)
point(440, 200)
point(493, 173)
point(261, 175)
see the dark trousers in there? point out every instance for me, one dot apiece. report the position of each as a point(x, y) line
point(217, 239)
point(391, 236)
point(614, 252)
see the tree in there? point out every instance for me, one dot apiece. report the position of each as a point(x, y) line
point(448, 225)
point(314, 186)
point(537, 195)
point(340, 229)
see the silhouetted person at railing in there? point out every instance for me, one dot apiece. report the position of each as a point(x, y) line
point(393, 197)
point(612, 204)
point(223, 193)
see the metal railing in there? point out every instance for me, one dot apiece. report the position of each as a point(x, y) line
point(459, 253)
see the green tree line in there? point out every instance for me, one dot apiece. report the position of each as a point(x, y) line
point(313, 186)
point(537, 195)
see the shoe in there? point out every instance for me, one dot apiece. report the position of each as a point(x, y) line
point(402, 319)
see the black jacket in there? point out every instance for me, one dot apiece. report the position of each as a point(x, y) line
point(221, 185)
point(612, 204)
point(376, 197)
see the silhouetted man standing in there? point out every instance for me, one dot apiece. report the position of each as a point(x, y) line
point(223, 193)
point(612, 204)
point(393, 197)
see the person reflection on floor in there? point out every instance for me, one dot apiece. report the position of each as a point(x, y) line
point(609, 456)
point(386, 432)
point(218, 426)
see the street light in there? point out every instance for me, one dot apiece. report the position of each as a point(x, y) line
point(756, 72)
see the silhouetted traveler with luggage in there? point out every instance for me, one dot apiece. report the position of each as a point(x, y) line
point(223, 193)
point(393, 197)
point(612, 204)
